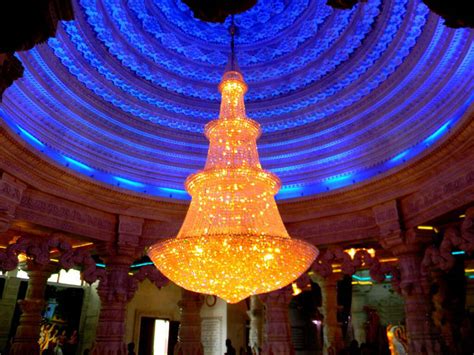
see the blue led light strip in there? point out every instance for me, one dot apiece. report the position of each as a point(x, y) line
point(286, 192)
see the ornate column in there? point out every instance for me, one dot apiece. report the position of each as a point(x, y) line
point(358, 314)
point(27, 334)
point(332, 332)
point(256, 324)
point(116, 287)
point(415, 288)
point(189, 333)
point(277, 336)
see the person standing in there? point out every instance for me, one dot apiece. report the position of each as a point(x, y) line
point(230, 348)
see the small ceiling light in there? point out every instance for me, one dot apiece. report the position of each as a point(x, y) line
point(353, 251)
point(296, 289)
point(428, 228)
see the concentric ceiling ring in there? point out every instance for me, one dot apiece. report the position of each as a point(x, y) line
point(122, 93)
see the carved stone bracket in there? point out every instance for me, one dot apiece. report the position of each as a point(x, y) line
point(116, 288)
point(39, 249)
point(441, 258)
point(152, 274)
point(362, 259)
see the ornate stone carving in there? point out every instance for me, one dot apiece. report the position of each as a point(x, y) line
point(441, 258)
point(189, 334)
point(11, 191)
point(40, 248)
point(129, 230)
point(443, 194)
point(63, 215)
point(39, 268)
point(116, 287)
point(387, 217)
point(277, 336)
point(336, 255)
point(152, 274)
point(28, 330)
point(415, 289)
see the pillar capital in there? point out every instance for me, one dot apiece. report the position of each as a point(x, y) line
point(412, 241)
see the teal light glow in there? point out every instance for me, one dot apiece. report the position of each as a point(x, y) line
point(77, 164)
point(29, 137)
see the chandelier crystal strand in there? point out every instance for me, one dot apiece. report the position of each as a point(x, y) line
point(233, 242)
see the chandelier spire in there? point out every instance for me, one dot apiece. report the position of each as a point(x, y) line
point(233, 242)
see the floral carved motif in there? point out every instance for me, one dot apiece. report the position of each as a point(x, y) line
point(362, 259)
point(441, 258)
point(39, 249)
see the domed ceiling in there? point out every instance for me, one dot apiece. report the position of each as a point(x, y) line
point(122, 93)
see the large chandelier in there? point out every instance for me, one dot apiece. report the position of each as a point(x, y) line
point(233, 242)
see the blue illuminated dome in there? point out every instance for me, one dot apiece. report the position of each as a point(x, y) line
point(122, 93)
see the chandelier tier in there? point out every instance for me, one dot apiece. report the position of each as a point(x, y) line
point(233, 242)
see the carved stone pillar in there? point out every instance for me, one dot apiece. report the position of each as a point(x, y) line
point(415, 287)
point(256, 324)
point(358, 314)
point(115, 290)
point(27, 334)
point(117, 287)
point(332, 332)
point(189, 333)
point(277, 336)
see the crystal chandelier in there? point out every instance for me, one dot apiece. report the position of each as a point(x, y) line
point(233, 242)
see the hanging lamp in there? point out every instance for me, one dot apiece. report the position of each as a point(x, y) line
point(233, 242)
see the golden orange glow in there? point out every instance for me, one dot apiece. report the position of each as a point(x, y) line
point(388, 260)
point(352, 252)
point(233, 242)
point(82, 245)
point(296, 289)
